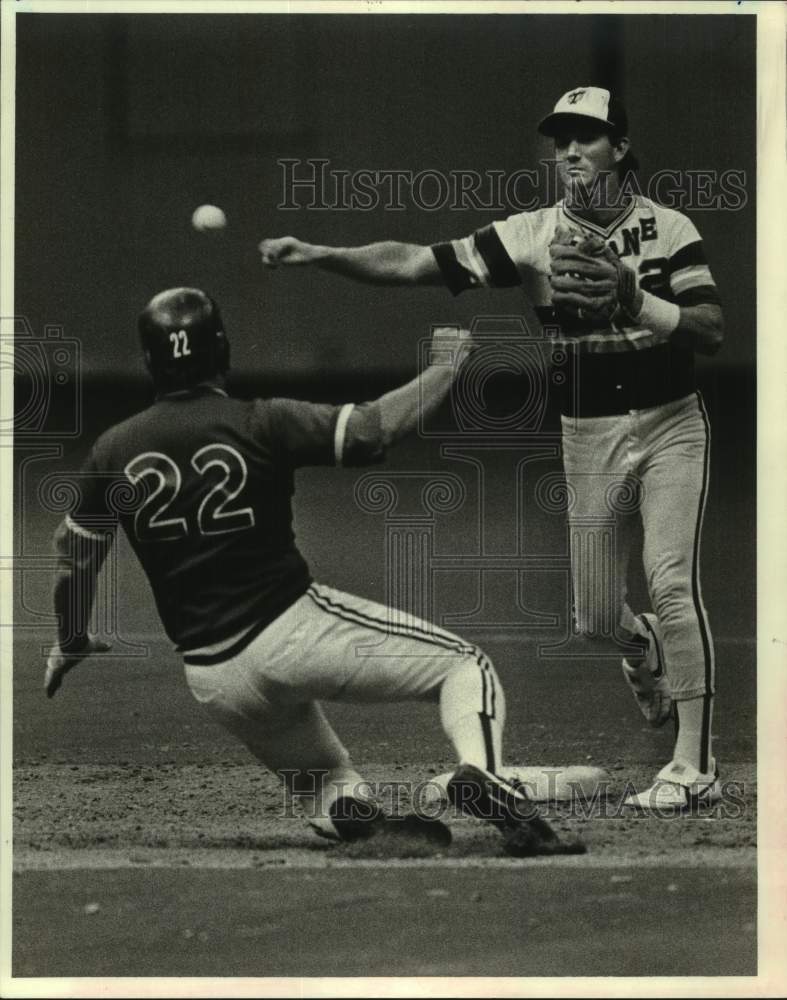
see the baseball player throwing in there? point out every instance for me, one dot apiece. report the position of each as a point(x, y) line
point(203, 484)
point(624, 285)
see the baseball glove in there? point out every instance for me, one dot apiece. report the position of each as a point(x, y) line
point(589, 282)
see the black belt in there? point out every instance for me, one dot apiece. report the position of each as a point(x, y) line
point(619, 399)
point(605, 385)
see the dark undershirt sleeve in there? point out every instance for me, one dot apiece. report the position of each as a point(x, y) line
point(476, 261)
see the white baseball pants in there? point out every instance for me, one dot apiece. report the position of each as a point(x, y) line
point(653, 464)
point(333, 646)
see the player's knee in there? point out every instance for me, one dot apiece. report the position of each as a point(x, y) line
point(472, 686)
point(673, 600)
point(498, 702)
point(670, 576)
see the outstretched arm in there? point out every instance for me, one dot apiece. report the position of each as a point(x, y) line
point(402, 409)
point(80, 555)
point(373, 427)
point(387, 263)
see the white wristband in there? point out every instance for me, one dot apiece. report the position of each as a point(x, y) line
point(658, 315)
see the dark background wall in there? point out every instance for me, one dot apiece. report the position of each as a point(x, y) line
point(126, 124)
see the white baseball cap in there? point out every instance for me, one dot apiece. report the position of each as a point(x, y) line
point(586, 102)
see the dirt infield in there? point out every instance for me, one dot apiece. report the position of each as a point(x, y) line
point(195, 869)
point(147, 842)
point(131, 812)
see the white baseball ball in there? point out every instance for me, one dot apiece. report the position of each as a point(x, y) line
point(208, 218)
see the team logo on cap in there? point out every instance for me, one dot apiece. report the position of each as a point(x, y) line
point(575, 96)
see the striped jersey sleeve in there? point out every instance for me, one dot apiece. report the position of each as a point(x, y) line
point(690, 278)
point(492, 256)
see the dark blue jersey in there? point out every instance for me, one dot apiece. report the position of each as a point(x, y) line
point(202, 485)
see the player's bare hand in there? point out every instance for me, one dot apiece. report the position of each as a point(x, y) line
point(453, 340)
point(59, 663)
point(286, 251)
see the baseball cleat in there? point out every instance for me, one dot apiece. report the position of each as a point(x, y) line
point(354, 819)
point(678, 788)
point(485, 796)
point(647, 677)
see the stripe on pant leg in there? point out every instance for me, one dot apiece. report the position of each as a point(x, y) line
point(696, 588)
point(707, 702)
point(442, 639)
point(488, 686)
point(489, 746)
point(359, 617)
point(484, 693)
point(432, 634)
point(707, 645)
point(487, 713)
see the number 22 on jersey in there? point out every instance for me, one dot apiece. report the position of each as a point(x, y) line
point(216, 514)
